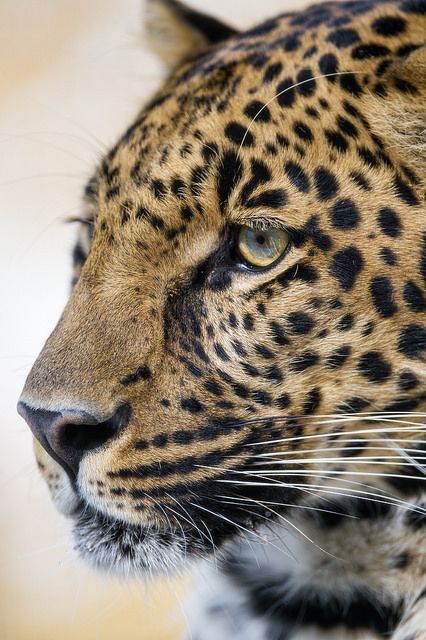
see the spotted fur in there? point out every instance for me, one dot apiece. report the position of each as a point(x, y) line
point(269, 422)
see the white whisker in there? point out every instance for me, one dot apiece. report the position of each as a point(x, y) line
point(404, 453)
point(377, 460)
point(367, 447)
point(356, 432)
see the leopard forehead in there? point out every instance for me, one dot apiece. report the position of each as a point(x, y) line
point(275, 123)
point(285, 124)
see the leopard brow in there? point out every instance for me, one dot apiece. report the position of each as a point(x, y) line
point(262, 223)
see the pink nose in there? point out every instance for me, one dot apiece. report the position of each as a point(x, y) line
point(68, 434)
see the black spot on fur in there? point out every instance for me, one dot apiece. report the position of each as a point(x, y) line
point(326, 183)
point(346, 323)
point(283, 401)
point(239, 135)
point(407, 381)
point(383, 296)
point(414, 6)
point(297, 176)
point(412, 341)
point(213, 387)
point(160, 440)
point(328, 64)
point(336, 140)
point(286, 94)
point(370, 50)
point(192, 405)
point(344, 214)
point(374, 367)
point(405, 192)
point(272, 72)
point(248, 322)
point(303, 131)
point(388, 26)
point(360, 180)
point(389, 222)
point(260, 175)
point(346, 126)
point(343, 38)
point(272, 198)
point(312, 401)
point(300, 322)
point(302, 272)
point(308, 84)
point(353, 405)
point(388, 256)
point(229, 175)
point(278, 333)
point(304, 361)
point(338, 357)
point(414, 297)
point(257, 111)
point(346, 266)
point(289, 43)
point(349, 83)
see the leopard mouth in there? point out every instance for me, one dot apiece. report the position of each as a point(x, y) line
point(145, 550)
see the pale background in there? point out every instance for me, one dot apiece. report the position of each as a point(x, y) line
point(72, 75)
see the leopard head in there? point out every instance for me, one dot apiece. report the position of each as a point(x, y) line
point(249, 285)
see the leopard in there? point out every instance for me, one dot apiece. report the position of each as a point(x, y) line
point(236, 386)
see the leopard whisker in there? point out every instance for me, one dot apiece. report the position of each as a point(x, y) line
point(287, 505)
point(319, 419)
point(367, 447)
point(239, 526)
point(419, 428)
point(315, 488)
point(177, 518)
point(189, 519)
point(299, 531)
point(371, 460)
point(410, 460)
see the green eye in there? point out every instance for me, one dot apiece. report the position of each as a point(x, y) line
point(261, 247)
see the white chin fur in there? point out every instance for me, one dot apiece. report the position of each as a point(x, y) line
point(128, 550)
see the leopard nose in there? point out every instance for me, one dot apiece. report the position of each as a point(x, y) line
point(70, 433)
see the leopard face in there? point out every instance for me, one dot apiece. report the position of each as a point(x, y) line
point(249, 283)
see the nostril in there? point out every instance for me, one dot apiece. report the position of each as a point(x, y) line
point(67, 435)
point(85, 437)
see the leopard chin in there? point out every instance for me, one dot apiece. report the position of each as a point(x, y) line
point(128, 550)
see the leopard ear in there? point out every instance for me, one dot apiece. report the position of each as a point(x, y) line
point(176, 32)
point(400, 118)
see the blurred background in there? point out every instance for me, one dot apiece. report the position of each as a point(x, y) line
point(73, 73)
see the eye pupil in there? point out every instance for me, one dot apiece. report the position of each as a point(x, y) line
point(260, 239)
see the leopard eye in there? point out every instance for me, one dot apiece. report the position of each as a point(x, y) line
point(261, 247)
